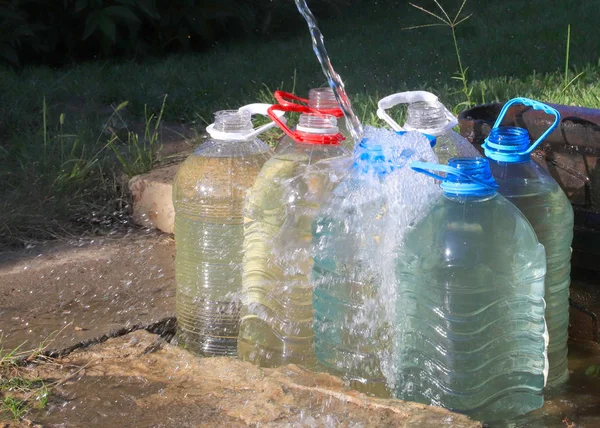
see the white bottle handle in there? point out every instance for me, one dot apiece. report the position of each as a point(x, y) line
point(409, 98)
point(253, 109)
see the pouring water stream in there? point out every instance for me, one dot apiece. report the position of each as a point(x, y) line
point(334, 79)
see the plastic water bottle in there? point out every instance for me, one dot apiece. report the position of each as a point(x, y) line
point(277, 314)
point(323, 100)
point(351, 325)
point(533, 190)
point(428, 116)
point(470, 329)
point(208, 195)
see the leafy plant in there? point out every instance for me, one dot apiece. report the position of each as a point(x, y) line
point(107, 21)
point(83, 29)
point(17, 31)
point(451, 23)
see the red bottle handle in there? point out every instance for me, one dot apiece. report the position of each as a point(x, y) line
point(303, 137)
point(287, 99)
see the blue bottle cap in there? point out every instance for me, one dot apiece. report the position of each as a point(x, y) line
point(464, 176)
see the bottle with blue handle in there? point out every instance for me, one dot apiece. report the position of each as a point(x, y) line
point(470, 331)
point(426, 114)
point(539, 197)
point(350, 234)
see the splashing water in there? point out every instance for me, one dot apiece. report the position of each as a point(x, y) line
point(356, 235)
point(334, 79)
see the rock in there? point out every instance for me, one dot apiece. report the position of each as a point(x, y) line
point(79, 292)
point(152, 195)
point(121, 383)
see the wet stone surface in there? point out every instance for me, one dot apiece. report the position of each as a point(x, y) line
point(75, 293)
point(140, 380)
point(94, 293)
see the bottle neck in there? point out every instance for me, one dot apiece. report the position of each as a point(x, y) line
point(317, 129)
point(423, 115)
point(315, 124)
point(508, 144)
point(233, 121)
point(472, 179)
point(322, 98)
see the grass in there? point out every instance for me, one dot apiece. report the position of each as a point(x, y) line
point(59, 129)
point(20, 391)
point(137, 155)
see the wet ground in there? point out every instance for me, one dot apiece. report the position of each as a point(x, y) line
point(578, 402)
point(139, 380)
point(84, 293)
point(81, 291)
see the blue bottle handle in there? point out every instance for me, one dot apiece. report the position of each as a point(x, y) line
point(426, 167)
point(536, 105)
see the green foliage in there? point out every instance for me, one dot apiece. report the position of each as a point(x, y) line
point(55, 31)
point(568, 83)
point(20, 392)
point(17, 31)
point(135, 156)
point(593, 371)
point(15, 407)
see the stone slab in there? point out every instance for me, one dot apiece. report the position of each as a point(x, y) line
point(77, 292)
point(140, 380)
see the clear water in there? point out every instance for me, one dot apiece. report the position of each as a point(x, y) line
point(470, 311)
point(350, 326)
point(277, 314)
point(208, 196)
point(335, 81)
point(542, 201)
point(352, 237)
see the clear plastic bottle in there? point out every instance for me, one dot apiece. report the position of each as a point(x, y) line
point(351, 324)
point(428, 116)
point(470, 329)
point(208, 195)
point(277, 313)
point(539, 197)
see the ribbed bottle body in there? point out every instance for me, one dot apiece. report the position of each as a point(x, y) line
point(208, 196)
point(277, 313)
point(543, 202)
point(470, 331)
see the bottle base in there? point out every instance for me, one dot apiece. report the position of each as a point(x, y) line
point(205, 346)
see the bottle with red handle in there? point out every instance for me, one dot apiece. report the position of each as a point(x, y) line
point(277, 315)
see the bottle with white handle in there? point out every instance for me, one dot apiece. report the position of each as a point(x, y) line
point(208, 195)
